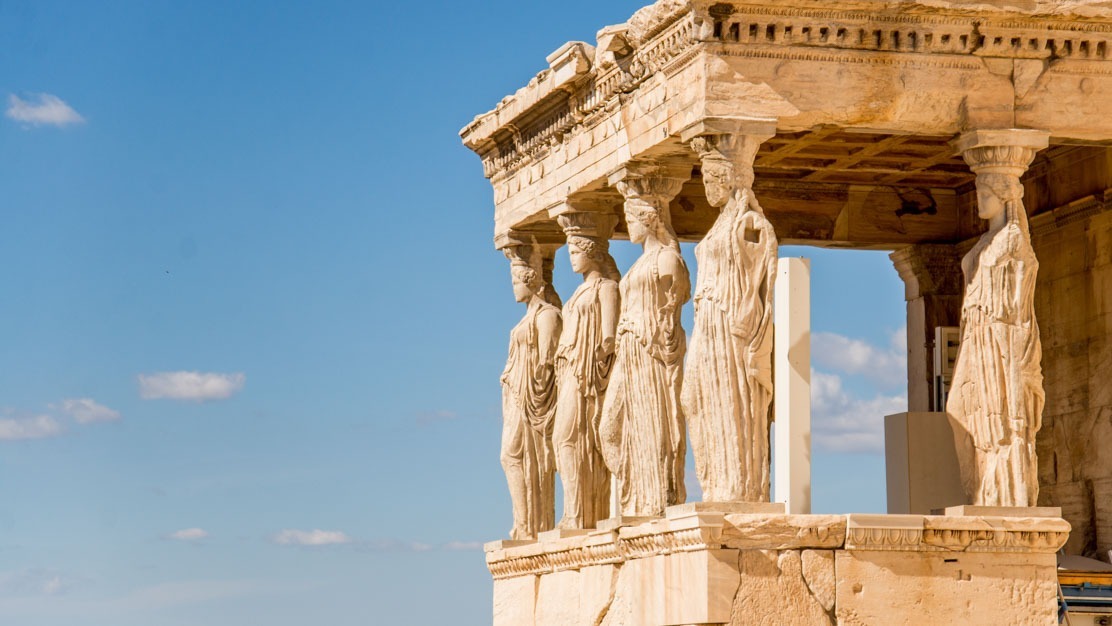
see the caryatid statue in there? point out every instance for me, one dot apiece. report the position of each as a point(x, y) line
point(727, 390)
point(996, 396)
point(642, 427)
point(529, 396)
point(584, 358)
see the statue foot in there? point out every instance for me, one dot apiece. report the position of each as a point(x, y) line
point(570, 523)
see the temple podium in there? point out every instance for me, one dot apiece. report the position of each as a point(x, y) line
point(763, 568)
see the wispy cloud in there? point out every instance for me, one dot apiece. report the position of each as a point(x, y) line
point(188, 534)
point(843, 422)
point(317, 537)
point(463, 546)
point(42, 109)
point(195, 386)
point(37, 427)
point(34, 582)
point(845, 355)
point(426, 418)
point(87, 410)
point(320, 538)
point(395, 545)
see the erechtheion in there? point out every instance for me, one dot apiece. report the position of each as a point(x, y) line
point(969, 138)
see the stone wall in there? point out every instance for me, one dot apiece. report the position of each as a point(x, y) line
point(1074, 308)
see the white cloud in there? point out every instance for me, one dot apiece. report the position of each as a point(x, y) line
point(38, 427)
point(42, 109)
point(316, 537)
point(845, 423)
point(886, 366)
point(456, 546)
point(197, 386)
point(86, 411)
point(188, 534)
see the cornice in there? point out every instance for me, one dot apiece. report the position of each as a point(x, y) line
point(573, 96)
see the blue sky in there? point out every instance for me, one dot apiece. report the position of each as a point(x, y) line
point(253, 319)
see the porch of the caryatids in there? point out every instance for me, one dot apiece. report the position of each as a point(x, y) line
point(996, 397)
point(642, 424)
point(728, 387)
point(529, 391)
point(584, 360)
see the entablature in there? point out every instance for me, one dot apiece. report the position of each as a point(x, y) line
point(864, 94)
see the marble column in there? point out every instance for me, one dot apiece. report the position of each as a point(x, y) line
point(584, 360)
point(996, 396)
point(529, 392)
point(933, 289)
point(642, 424)
point(728, 384)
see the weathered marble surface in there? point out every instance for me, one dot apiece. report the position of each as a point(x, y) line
point(642, 426)
point(996, 396)
point(529, 397)
point(727, 390)
point(584, 359)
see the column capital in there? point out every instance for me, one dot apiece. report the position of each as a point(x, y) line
point(650, 178)
point(738, 148)
point(929, 269)
point(1001, 151)
point(591, 224)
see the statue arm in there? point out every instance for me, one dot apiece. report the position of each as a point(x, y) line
point(673, 279)
point(674, 283)
point(761, 347)
point(548, 334)
point(610, 302)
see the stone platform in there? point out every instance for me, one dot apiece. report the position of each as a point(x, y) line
point(695, 566)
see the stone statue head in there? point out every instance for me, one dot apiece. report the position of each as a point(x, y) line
point(589, 253)
point(526, 272)
point(642, 220)
point(999, 192)
point(723, 177)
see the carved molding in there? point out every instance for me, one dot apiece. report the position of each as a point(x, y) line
point(527, 125)
point(1076, 211)
point(928, 533)
point(907, 533)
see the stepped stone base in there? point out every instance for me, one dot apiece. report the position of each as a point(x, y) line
point(704, 567)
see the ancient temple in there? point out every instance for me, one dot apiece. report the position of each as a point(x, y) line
point(969, 138)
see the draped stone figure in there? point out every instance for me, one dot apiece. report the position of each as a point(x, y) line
point(996, 396)
point(642, 427)
point(584, 358)
point(727, 390)
point(529, 397)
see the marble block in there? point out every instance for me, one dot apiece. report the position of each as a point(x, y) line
point(1004, 511)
